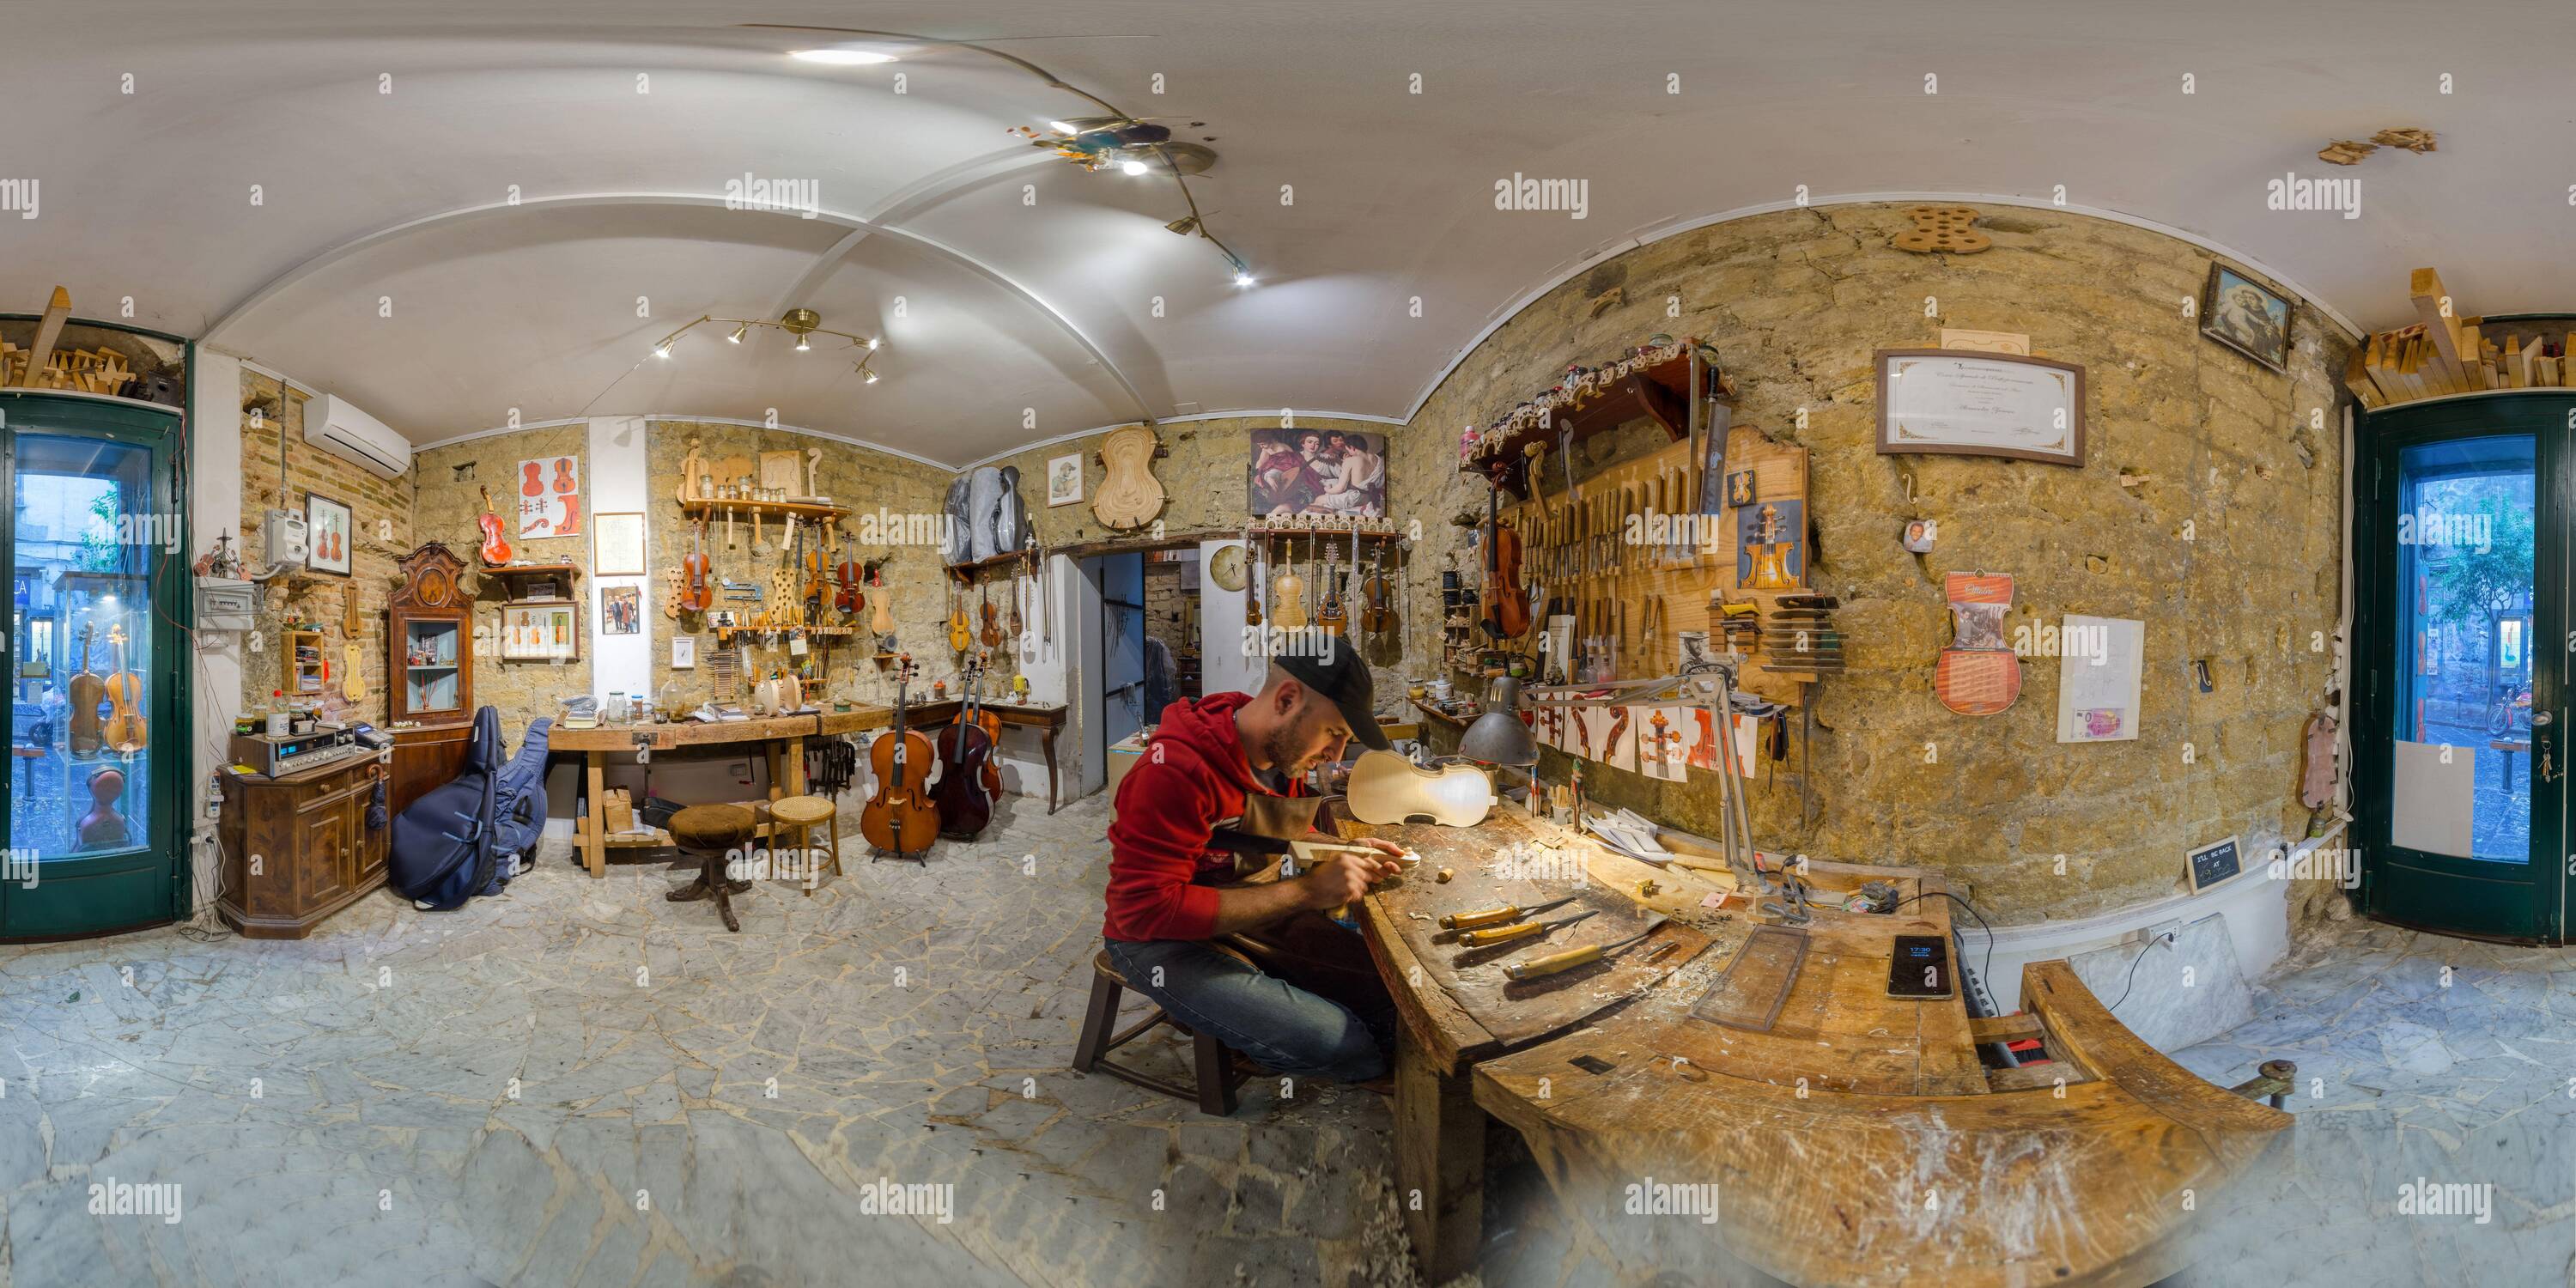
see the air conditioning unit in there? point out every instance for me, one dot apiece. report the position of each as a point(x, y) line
point(331, 424)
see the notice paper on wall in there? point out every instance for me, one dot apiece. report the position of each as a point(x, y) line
point(2100, 664)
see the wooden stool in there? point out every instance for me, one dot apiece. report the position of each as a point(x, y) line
point(709, 832)
point(805, 813)
point(1214, 1064)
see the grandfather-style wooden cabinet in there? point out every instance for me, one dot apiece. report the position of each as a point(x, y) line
point(430, 629)
point(297, 849)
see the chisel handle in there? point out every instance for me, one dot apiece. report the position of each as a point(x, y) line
point(1487, 917)
point(1502, 934)
point(1554, 962)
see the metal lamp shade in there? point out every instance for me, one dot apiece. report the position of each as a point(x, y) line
point(1498, 737)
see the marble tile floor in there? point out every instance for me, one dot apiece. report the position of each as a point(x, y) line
point(580, 1083)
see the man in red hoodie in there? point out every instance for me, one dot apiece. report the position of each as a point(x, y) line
point(1224, 771)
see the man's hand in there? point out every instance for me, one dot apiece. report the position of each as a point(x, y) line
point(1342, 878)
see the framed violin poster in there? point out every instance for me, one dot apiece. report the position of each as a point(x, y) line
point(549, 492)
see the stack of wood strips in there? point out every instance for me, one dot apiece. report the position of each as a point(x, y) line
point(88, 371)
point(2446, 353)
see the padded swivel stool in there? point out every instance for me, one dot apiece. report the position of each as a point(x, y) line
point(805, 813)
point(711, 832)
point(1212, 1064)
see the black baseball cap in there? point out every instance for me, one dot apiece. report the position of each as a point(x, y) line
point(1343, 679)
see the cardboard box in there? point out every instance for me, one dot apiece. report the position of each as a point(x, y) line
point(620, 810)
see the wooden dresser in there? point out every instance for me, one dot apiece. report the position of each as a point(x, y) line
point(309, 833)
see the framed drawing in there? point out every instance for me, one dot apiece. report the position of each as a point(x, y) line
point(541, 632)
point(1959, 403)
point(2100, 670)
point(1333, 473)
point(684, 652)
point(2246, 317)
point(617, 545)
point(1064, 480)
point(326, 527)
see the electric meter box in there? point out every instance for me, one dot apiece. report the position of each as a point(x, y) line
point(225, 605)
point(284, 531)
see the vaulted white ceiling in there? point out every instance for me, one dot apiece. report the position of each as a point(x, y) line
point(452, 212)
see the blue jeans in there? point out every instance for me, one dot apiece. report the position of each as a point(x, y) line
point(1284, 1028)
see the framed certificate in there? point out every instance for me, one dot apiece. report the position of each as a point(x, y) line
point(617, 545)
point(1960, 403)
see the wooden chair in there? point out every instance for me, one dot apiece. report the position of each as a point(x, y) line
point(805, 813)
point(710, 832)
point(1213, 1065)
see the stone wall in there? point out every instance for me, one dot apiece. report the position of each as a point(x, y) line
point(381, 522)
point(1206, 479)
point(2208, 508)
point(884, 492)
point(451, 482)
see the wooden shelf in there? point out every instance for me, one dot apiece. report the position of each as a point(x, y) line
point(716, 509)
point(1660, 393)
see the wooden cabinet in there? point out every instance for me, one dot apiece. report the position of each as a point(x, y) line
point(429, 629)
point(297, 849)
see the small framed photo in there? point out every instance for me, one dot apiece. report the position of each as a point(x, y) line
point(541, 632)
point(1920, 534)
point(1739, 488)
point(1064, 480)
point(621, 610)
point(327, 531)
point(617, 545)
point(2243, 315)
point(684, 652)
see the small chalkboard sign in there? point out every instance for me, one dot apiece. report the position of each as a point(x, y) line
point(2212, 864)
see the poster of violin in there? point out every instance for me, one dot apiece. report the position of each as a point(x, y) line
point(1333, 473)
point(550, 497)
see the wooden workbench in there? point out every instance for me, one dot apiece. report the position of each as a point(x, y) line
point(783, 739)
point(1858, 1141)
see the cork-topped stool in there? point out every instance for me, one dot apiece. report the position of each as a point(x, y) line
point(1212, 1062)
point(710, 832)
point(805, 813)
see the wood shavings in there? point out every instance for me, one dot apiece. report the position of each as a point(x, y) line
point(2413, 140)
point(1443, 876)
point(2346, 152)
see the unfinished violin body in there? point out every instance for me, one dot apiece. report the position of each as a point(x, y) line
point(1387, 788)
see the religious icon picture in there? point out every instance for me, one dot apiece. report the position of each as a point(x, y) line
point(2245, 317)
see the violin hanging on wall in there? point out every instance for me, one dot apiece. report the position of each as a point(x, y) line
point(495, 550)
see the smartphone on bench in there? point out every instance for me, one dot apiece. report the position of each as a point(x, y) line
point(1919, 967)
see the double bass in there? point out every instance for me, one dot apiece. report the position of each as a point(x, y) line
point(1504, 610)
point(901, 818)
point(965, 795)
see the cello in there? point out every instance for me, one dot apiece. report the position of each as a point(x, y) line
point(1504, 610)
point(901, 818)
point(965, 796)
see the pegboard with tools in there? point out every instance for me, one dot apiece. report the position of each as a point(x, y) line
point(1627, 561)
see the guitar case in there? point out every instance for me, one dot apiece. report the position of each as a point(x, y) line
point(983, 500)
point(1010, 514)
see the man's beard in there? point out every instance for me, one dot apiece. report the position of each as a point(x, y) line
point(1279, 747)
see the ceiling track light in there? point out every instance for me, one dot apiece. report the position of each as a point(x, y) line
point(1141, 146)
point(804, 324)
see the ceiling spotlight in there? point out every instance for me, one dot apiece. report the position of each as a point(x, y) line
point(1132, 167)
point(1062, 128)
point(842, 57)
point(804, 345)
point(872, 377)
point(662, 350)
point(1185, 225)
point(873, 342)
point(1243, 279)
point(736, 337)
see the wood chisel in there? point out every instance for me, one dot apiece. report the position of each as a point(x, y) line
point(1492, 935)
point(1573, 957)
point(1496, 916)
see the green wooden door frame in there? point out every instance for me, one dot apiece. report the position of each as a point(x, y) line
point(2467, 897)
point(149, 885)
